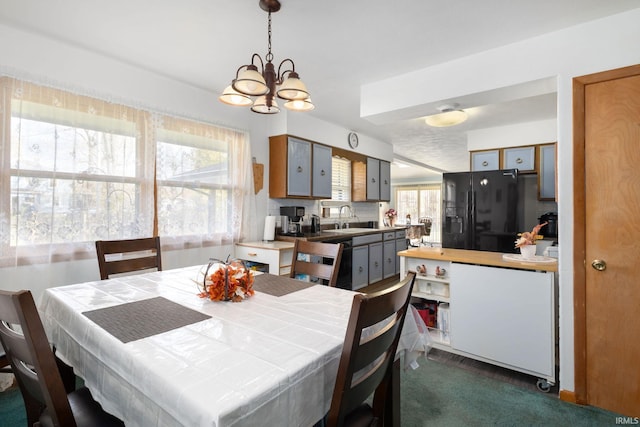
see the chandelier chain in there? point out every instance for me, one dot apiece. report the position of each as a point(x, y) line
point(269, 56)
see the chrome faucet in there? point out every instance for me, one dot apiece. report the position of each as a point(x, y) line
point(344, 224)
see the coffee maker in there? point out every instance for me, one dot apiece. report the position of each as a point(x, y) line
point(292, 220)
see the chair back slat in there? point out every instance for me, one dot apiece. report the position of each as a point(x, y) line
point(31, 357)
point(325, 252)
point(369, 350)
point(126, 256)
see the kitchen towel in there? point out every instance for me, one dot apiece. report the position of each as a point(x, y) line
point(269, 228)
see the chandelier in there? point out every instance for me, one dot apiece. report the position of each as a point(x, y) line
point(266, 84)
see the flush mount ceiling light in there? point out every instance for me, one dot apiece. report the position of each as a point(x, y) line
point(449, 115)
point(265, 84)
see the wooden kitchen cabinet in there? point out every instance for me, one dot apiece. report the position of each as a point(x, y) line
point(547, 172)
point(485, 160)
point(521, 158)
point(299, 168)
point(371, 180)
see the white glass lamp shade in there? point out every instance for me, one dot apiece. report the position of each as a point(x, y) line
point(250, 82)
point(260, 106)
point(299, 105)
point(292, 89)
point(232, 97)
point(446, 118)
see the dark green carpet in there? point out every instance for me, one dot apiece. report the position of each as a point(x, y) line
point(437, 394)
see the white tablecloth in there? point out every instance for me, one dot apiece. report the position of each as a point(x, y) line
point(268, 361)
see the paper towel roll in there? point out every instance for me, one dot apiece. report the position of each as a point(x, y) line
point(269, 228)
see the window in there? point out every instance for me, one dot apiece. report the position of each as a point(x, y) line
point(77, 169)
point(421, 202)
point(340, 185)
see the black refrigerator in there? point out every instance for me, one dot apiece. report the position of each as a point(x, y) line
point(480, 210)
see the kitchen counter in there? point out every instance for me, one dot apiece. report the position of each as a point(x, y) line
point(331, 234)
point(494, 259)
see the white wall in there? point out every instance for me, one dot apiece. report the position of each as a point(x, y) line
point(530, 133)
point(600, 45)
point(44, 61)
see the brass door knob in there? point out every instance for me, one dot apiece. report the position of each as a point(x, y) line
point(599, 264)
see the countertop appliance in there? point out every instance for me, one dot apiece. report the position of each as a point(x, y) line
point(551, 229)
point(292, 220)
point(480, 210)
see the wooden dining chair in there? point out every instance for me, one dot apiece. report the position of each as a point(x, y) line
point(368, 355)
point(36, 370)
point(125, 256)
point(314, 264)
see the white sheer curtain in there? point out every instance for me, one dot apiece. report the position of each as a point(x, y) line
point(77, 169)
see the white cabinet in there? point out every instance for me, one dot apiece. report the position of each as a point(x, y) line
point(277, 255)
point(521, 158)
point(502, 316)
point(547, 172)
point(485, 160)
point(321, 169)
point(505, 316)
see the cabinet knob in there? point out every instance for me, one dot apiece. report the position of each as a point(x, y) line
point(389, 260)
point(360, 270)
point(373, 180)
point(322, 173)
point(485, 163)
point(518, 160)
point(599, 264)
point(376, 263)
point(299, 168)
point(386, 182)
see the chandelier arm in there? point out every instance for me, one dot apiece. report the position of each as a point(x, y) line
point(280, 76)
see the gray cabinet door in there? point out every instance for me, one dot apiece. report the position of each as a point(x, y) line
point(375, 262)
point(547, 175)
point(389, 259)
point(485, 160)
point(385, 181)
point(373, 179)
point(321, 171)
point(298, 167)
point(360, 267)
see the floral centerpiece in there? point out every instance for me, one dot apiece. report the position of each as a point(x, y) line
point(229, 281)
point(526, 241)
point(390, 216)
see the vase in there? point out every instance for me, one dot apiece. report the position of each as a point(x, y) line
point(528, 251)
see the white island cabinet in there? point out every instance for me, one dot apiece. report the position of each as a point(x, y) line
point(495, 311)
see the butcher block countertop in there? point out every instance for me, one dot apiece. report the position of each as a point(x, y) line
point(494, 259)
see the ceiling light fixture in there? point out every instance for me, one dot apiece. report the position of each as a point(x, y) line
point(266, 84)
point(449, 115)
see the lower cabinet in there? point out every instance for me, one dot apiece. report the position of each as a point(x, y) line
point(360, 267)
point(375, 262)
point(501, 316)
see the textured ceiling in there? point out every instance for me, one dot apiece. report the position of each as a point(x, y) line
point(337, 46)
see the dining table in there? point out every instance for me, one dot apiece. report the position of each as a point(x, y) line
point(154, 353)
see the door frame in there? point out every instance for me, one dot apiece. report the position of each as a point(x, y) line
point(579, 224)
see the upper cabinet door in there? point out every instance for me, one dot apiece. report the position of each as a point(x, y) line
point(385, 181)
point(485, 160)
point(373, 179)
point(521, 158)
point(298, 167)
point(547, 172)
point(321, 171)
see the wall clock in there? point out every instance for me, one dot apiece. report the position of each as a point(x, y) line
point(353, 140)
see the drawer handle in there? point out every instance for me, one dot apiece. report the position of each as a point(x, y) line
point(518, 160)
point(322, 173)
point(299, 168)
point(485, 163)
point(252, 254)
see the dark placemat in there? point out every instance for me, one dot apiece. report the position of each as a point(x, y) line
point(140, 319)
point(278, 285)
